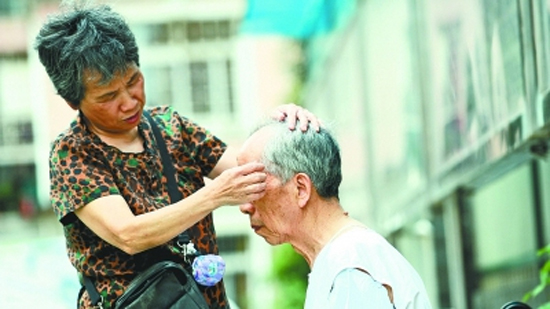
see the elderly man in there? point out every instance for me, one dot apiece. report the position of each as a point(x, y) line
point(352, 266)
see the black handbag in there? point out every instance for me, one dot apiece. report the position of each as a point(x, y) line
point(166, 284)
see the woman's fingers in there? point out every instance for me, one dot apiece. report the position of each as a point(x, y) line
point(253, 185)
point(249, 168)
point(292, 113)
point(241, 184)
point(288, 112)
point(307, 118)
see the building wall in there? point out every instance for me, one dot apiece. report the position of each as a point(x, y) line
point(448, 100)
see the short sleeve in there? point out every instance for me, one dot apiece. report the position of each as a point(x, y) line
point(354, 289)
point(77, 177)
point(198, 145)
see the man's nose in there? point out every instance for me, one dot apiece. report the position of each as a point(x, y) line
point(247, 208)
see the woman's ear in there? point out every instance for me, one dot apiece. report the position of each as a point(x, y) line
point(304, 188)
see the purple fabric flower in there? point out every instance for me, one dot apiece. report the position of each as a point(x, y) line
point(208, 269)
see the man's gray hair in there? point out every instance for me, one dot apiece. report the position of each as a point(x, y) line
point(316, 154)
point(85, 39)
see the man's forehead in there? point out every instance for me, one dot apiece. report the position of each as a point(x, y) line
point(263, 135)
point(249, 152)
point(254, 146)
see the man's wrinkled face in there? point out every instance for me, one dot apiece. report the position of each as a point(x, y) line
point(268, 215)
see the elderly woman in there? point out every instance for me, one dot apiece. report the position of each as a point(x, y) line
point(107, 186)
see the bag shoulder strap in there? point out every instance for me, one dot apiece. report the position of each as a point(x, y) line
point(167, 164)
point(175, 195)
point(168, 169)
point(95, 298)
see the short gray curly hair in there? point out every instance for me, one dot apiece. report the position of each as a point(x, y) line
point(85, 39)
point(316, 154)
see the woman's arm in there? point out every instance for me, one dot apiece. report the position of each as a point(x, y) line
point(111, 219)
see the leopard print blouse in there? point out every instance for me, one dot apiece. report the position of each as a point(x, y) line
point(84, 168)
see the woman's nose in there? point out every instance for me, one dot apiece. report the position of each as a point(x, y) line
point(129, 100)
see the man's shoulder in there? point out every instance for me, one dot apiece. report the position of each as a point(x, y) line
point(360, 248)
point(358, 238)
point(348, 248)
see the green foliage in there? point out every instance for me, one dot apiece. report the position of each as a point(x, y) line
point(290, 271)
point(298, 82)
point(544, 277)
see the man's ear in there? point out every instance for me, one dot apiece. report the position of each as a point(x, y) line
point(73, 106)
point(304, 188)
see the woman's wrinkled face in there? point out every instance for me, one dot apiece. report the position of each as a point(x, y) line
point(114, 108)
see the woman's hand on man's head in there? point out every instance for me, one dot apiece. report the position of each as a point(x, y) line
point(292, 113)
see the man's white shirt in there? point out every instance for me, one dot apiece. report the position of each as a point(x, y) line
point(336, 280)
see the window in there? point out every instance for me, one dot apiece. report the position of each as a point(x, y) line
point(224, 29)
point(209, 30)
point(158, 85)
point(193, 31)
point(442, 260)
point(159, 34)
point(232, 243)
point(229, 83)
point(16, 133)
point(15, 120)
point(189, 66)
point(504, 242)
point(18, 189)
point(184, 31)
point(199, 87)
point(178, 31)
point(233, 248)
